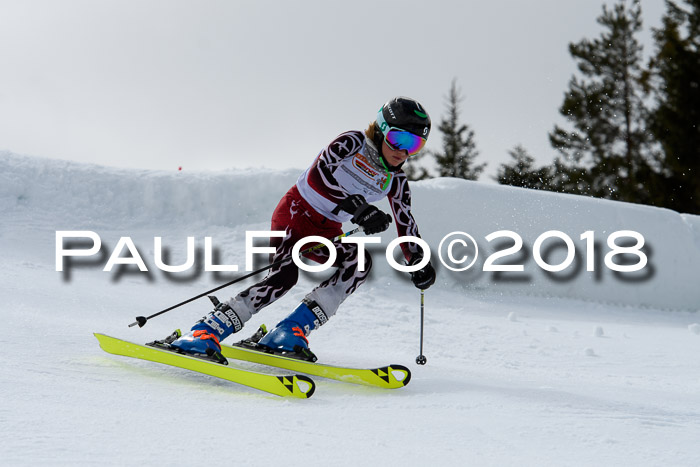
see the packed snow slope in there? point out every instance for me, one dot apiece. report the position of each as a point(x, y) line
point(580, 366)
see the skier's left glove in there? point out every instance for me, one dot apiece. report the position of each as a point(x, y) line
point(423, 278)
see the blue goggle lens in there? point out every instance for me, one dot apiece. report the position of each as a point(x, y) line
point(404, 140)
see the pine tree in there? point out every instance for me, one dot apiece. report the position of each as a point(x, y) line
point(609, 152)
point(521, 171)
point(459, 147)
point(556, 177)
point(675, 120)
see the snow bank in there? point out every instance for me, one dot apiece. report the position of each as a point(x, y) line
point(671, 243)
point(71, 196)
point(85, 196)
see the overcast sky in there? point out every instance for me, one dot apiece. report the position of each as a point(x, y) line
point(210, 85)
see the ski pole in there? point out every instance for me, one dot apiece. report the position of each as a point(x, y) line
point(142, 320)
point(420, 359)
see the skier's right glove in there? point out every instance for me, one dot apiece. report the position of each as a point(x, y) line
point(370, 218)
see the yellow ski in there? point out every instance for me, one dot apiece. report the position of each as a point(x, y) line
point(286, 386)
point(389, 377)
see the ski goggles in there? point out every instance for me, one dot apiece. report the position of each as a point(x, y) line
point(402, 140)
point(398, 139)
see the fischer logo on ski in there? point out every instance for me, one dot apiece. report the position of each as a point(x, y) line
point(390, 376)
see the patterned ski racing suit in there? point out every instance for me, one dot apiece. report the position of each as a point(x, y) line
point(348, 165)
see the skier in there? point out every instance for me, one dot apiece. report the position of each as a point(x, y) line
point(353, 171)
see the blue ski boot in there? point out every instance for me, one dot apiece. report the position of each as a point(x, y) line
point(289, 336)
point(205, 335)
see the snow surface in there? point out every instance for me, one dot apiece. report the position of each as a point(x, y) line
point(590, 370)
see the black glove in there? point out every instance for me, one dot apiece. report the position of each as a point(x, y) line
point(370, 218)
point(350, 204)
point(423, 278)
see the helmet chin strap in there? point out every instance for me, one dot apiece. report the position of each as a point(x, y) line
point(388, 172)
point(388, 168)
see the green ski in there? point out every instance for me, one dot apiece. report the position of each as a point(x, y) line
point(286, 386)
